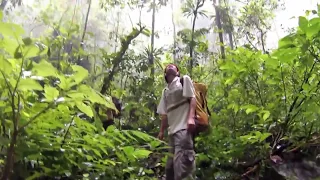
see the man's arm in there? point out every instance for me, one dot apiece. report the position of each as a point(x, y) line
point(192, 107)
point(164, 123)
point(189, 92)
point(162, 110)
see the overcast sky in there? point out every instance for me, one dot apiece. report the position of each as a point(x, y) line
point(284, 18)
point(164, 27)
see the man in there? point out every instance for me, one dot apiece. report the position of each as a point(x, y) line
point(177, 110)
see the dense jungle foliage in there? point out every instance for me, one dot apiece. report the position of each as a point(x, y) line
point(60, 84)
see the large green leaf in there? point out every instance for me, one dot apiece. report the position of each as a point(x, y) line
point(31, 51)
point(80, 74)
point(50, 93)
point(85, 108)
point(29, 84)
point(303, 23)
point(141, 153)
point(314, 27)
point(44, 69)
point(5, 66)
point(11, 30)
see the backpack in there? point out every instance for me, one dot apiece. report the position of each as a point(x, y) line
point(202, 111)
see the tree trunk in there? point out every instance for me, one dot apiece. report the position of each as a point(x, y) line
point(231, 40)
point(3, 4)
point(82, 38)
point(174, 34)
point(10, 157)
point(151, 58)
point(117, 32)
point(151, 61)
point(219, 26)
point(192, 43)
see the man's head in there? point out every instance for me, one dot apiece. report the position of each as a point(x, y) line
point(170, 72)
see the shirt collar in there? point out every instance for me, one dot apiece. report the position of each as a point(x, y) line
point(173, 81)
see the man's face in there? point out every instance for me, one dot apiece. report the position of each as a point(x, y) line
point(171, 70)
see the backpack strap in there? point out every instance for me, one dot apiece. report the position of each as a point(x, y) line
point(206, 104)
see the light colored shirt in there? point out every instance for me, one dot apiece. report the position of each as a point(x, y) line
point(173, 93)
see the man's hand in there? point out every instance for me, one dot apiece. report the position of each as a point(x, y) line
point(160, 135)
point(191, 125)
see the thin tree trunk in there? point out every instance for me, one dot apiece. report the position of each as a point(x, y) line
point(84, 31)
point(230, 26)
point(151, 61)
point(3, 4)
point(174, 34)
point(219, 25)
point(151, 58)
point(231, 40)
point(10, 157)
point(192, 43)
point(117, 32)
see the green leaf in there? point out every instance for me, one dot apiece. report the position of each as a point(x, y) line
point(250, 108)
point(29, 84)
point(314, 28)
point(141, 153)
point(80, 74)
point(10, 29)
point(31, 51)
point(85, 108)
point(303, 23)
point(287, 41)
point(17, 53)
point(77, 96)
point(50, 93)
point(128, 150)
point(9, 45)
point(35, 176)
point(96, 97)
point(146, 32)
point(5, 66)
point(264, 136)
point(44, 69)
point(97, 153)
point(141, 135)
point(27, 41)
point(65, 83)
point(266, 115)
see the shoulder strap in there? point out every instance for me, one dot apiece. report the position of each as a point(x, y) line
point(181, 81)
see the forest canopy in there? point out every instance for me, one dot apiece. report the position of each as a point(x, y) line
point(79, 92)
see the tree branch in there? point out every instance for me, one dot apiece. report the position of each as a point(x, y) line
point(84, 30)
point(35, 116)
point(284, 88)
point(125, 42)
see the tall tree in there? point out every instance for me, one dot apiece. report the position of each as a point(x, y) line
point(84, 33)
point(193, 9)
point(174, 33)
point(151, 61)
point(219, 26)
point(254, 21)
point(227, 21)
point(14, 3)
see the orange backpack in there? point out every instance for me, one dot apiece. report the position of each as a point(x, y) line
point(202, 111)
